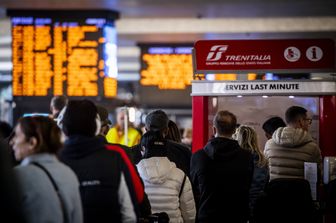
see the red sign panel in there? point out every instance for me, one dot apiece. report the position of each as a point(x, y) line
point(254, 55)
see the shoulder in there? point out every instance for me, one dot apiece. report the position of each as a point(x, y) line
point(24, 170)
point(115, 150)
point(28, 176)
point(178, 146)
point(177, 174)
point(198, 156)
point(134, 131)
point(112, 131)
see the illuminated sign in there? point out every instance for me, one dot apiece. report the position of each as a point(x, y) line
point(282, 55)
point(65, 52)
point(166, 66)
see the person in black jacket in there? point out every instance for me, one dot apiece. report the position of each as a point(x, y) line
point(177, 153)
point(222, 173)
point(109, 185)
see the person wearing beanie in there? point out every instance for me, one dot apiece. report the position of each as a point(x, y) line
point(178, 153)
point(168, 188)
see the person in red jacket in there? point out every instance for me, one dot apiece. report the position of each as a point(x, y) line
point(109, 184)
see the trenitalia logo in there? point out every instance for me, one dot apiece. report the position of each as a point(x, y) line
point(216, 52)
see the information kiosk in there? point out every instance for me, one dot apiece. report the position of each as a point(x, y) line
point(255, 101)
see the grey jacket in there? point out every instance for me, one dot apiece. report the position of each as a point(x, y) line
point(287, 151)
point(39, 200)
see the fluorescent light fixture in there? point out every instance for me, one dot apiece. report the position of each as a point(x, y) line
point(128, 51)
point(124, 76)
point(230, 25)
point(6, 66)
point(6, 53)
point(128, 66)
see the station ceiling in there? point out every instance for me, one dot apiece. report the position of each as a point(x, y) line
point(176, 21)
point(188, 8)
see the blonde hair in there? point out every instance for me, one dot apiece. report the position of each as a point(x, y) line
point(247, 139)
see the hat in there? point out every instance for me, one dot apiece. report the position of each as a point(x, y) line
point(157, 120)
point(154, 144)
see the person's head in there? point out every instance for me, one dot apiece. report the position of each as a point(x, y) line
point(225, 124)
point(157, 120)
point(57, 104)
point(121, 115)
point(272, 124)
point(5, 130)
point(105, 122)
point(81, 118)
point(296, 117)
point(153, 144)
point(35, 134)
point(248, 139)
point(187, 136)
point(173, 132)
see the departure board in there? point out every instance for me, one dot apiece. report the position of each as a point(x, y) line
point(166, 66)
point(64, 52)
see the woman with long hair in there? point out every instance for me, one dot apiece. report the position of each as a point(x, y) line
point(247, 139)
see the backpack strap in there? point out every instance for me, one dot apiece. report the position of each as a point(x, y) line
point(54, 185)
point(182, 185)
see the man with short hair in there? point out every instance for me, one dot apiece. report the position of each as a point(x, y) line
point(57, 104)
point(221, 173)
point(157, 120)
point(272, 124)
point(291, 146)
point(109, 184)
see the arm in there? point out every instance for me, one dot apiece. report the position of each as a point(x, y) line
point(194, 179)
point(127, 210)
point(187, 203)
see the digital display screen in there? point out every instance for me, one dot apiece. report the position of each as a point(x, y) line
point(70, 53)
point(166, 66)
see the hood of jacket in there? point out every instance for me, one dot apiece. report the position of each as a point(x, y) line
point(78, 146)
point(291, 137)
point(221, 148)
point(155, 170)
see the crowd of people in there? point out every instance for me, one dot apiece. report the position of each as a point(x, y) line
point(75, 167)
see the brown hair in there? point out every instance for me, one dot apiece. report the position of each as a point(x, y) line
point(247, 139)
point(173, 132)
point(225, 122)
point(45, 130)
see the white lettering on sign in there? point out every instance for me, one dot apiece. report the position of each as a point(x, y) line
point(264, 88)
point(257, 87)
point(216, 52)
point(247, 57)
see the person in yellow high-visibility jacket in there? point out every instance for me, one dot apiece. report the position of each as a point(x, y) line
point(117, 133)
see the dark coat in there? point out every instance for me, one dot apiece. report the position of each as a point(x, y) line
point(177, 153)
point(259, 181)
point(286, 200)
point(98, 170)
point(222, 173)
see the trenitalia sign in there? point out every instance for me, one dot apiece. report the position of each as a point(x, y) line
point(297, 55)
